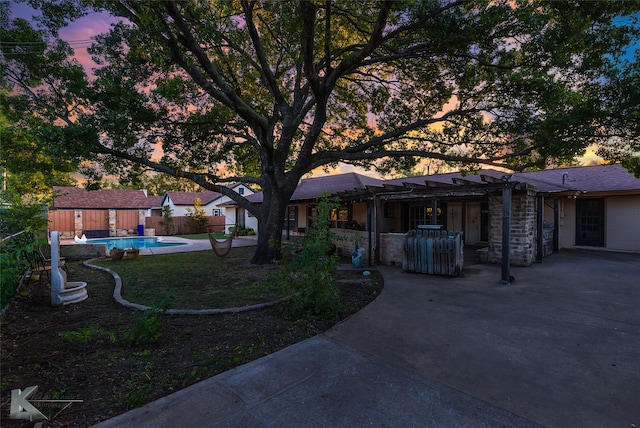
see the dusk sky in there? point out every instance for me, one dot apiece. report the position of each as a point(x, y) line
point(80, 32)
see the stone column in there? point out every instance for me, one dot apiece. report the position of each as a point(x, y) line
point(77, 218)
point(112, 223)
point(522, 234)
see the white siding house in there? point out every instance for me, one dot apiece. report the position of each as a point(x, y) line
point(214, 204)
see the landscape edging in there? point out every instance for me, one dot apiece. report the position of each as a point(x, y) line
point(117, 295)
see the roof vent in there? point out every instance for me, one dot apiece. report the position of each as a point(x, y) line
point(565, 177)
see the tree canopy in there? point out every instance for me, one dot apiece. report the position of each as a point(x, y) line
point(264, 92)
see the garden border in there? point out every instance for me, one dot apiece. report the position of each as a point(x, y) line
point(117, 295)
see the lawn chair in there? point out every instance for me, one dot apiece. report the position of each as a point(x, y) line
point(37, 265)
point(46, 259)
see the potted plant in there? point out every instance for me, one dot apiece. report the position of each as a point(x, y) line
point(116, 253)
point(133, 252)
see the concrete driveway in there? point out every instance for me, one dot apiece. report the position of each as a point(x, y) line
point(559, 347)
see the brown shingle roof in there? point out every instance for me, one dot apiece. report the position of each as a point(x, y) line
point(313, 188)
point(600, 178)
point(188, 198)
point(155, 201)
point(77, 198)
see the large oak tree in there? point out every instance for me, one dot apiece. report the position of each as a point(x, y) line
point(264, 92)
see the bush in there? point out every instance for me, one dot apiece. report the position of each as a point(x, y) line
point(147, 325)
point(197, 218)
point(308, 276)
point(13, 264)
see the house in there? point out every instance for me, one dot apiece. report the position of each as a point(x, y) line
point(214, 204)
point(98, 213)
point(578, 207)
point(182, 202)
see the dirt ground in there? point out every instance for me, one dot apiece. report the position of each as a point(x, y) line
point(86, 351)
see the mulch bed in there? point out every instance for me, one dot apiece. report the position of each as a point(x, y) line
point(82, 351)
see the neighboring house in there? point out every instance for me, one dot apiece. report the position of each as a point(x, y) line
point(98, 213)
point(182, 202)
point(156, 206)
point(214, 204)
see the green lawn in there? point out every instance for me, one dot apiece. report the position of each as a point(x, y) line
point(195, 280)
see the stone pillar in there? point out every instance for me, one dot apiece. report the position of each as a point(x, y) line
point(523, 227)
point(141, 217)
point(77, 218)
point(112, 223)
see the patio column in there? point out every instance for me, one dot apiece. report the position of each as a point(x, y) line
point(369, 229)
point(434, 211)
point(556, 224)
point(377, 205)
point(540, 223)
point(463, 219)
point(506, 232)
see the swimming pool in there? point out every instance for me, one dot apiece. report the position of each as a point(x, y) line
point(133, 242)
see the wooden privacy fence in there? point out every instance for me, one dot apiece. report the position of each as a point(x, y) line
point(434, 252)
point(62, 220)
point(127, 219)
point(180, 225)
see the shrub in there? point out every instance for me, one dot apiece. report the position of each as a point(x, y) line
point(308, 276)
point(148, 324)
point(197, 218)
point(13, 264)
point(167, 219)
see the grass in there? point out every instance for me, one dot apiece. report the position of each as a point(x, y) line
point(218, 282)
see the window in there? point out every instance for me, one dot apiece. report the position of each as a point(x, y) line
point(420, 214)
point(389, 210)
point(216, 212)
point(241, 190)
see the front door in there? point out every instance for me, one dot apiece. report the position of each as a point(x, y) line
point(240, 220)
point(292, 217)
point(590, 222)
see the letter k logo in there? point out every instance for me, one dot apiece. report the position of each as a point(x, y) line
point(21, 408)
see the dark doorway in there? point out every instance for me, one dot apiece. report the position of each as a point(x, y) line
point(590, 222)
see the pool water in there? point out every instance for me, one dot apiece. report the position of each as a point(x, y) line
point(133, 242)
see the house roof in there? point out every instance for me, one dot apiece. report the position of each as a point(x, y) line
point(313, 188)
point(600, 178)
point(78, 198)
point(586, 179)
point(188, 198)
point(156, 201)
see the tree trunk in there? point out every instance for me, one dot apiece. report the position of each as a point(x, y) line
point(270, 226)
